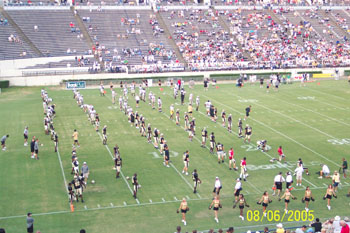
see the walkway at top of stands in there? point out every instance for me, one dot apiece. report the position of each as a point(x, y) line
point(218, 7)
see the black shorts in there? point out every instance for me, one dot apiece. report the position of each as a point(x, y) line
point(264, 204)
point(218, 191)
point(241, 207)
point(32, 150)
point(36, 151)
point(76, 141)
point(25, 136)
point(329, 196)
point(286, 201)
point(288, 184)
point(307, 199)
point(30, 229)
point(237, 192)
point(137, 101)
point(183, 211)
point(167, 157)
point(216, 208)
point(2, 142)
point(247, 114)
point(278, 185)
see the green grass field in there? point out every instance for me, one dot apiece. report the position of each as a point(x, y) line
point(310, 122)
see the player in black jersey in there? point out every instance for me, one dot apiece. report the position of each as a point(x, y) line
point(212, 142)
point(70, 193)
point(196, 180)
point(229, 123)
point(166, 154)
point(223, 118)
point(118, 165)
point(135, 184)
point(247, 112)
point(156, 137)
point(78, 188)
point(104, 135)
point(248, 133)
point(204, 137)
point(149, 133)
point(186, 158)
point(116, 151)
point(55, 139)
point(240, 128)
point(220, 152)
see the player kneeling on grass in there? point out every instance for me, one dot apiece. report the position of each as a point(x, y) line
point(307, 197)
point(183, 208)
point(241, 204)
point(324, 172)
point(261, 145)
point(216, 205)
point(265, 201)
point(286, 196)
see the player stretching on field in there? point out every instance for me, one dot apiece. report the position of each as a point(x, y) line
point(247, 112)
point(241, 203)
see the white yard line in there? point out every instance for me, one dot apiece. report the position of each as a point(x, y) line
point(170, 165)
point(62, 170)
point(125, 205)
point(286, 116)
point(324, 93)
point(268, 155)
point(253, 186)
point(110, 153)
point(282, 134)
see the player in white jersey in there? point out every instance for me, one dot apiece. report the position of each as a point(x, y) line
point(153, 101)
point(299, 174)
point(113, 96)
point(137, 99)
point(207, 107)
point(159, 105)
point(120, 103)
point(190, 99)
point(197, 103)
point(102, 89)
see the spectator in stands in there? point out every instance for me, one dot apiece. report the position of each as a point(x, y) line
point(280, 228)
point(328, 226)
point(230, 230)
point(345, 227)
point(266, 230)
point(317, 225)
point(301, 230)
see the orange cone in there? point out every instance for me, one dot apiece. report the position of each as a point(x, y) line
point(71, 207)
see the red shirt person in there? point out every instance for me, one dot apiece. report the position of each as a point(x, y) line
point(345, 227)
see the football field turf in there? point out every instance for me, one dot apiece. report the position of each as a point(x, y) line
point(310, 122)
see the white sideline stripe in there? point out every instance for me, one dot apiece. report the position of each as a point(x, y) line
point(325, 185)
point(110, 153)
point(253, 186)
point(184, 178)
point(282, 134)
point(346, 183)
point(303, 186)
point(188, 198)
point(138, 202)
point(262, 151)
point(286, 116)
point(98, 206)
point(127, 206)
point(301, 107)
point(64, 176)
point(163, 199)
point(111, 204)
point(150, 201)
point(326, 93)
point(170, 165)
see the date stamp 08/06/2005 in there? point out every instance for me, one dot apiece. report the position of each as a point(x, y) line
point(280, 216)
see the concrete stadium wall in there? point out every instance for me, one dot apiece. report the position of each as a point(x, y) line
point(54, 80)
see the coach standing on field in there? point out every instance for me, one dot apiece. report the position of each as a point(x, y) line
point(30, 223)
